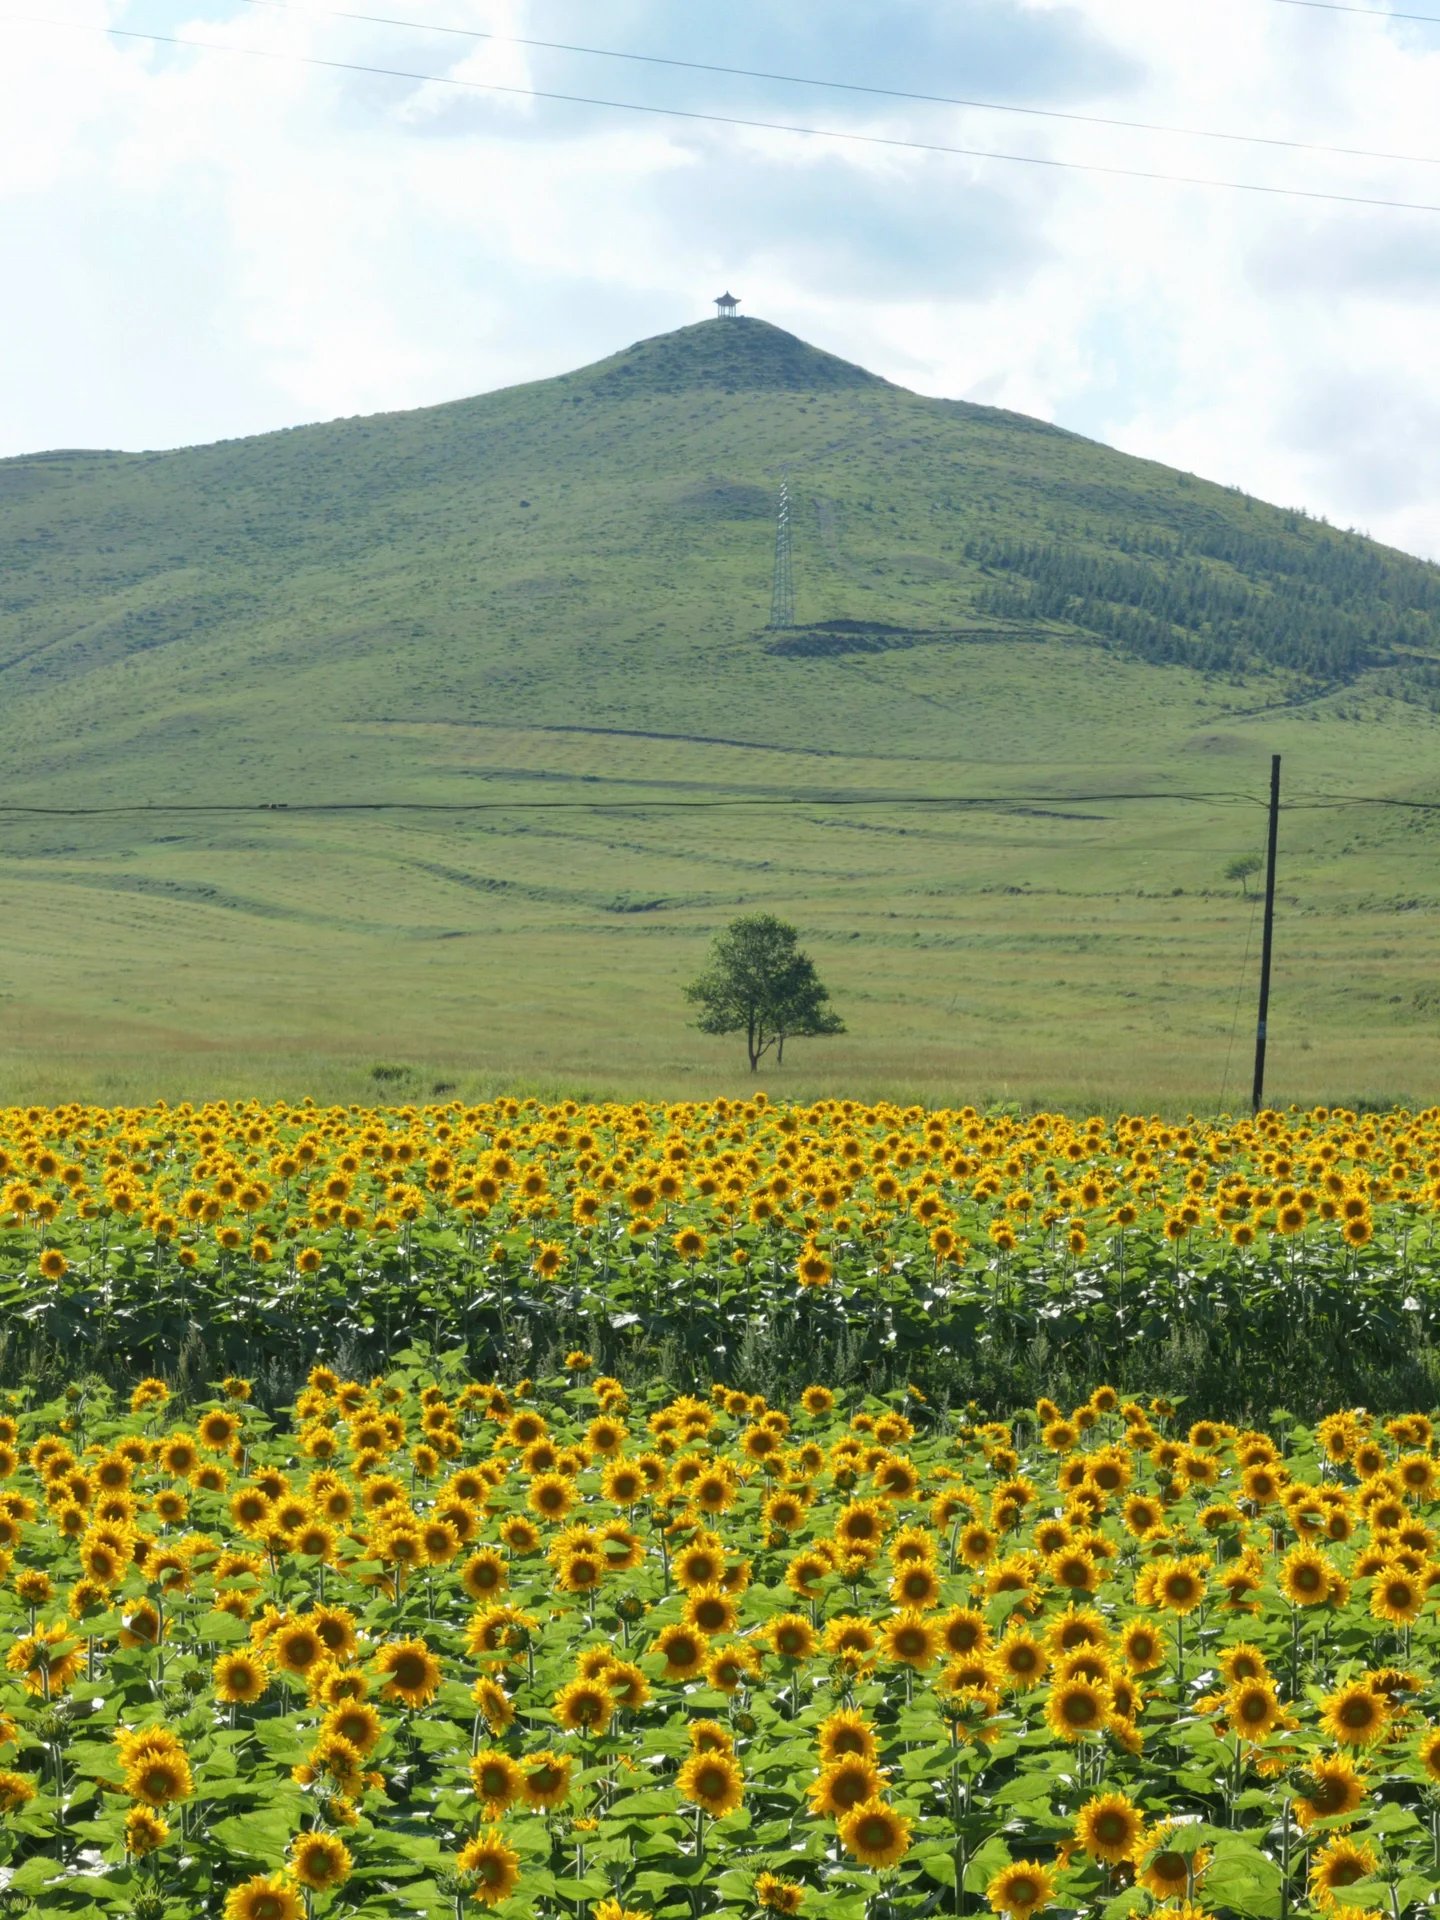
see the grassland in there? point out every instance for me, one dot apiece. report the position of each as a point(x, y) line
point(559, 594)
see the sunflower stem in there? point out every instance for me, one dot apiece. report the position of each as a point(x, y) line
point(1180, 1656)
point(1285, 1859)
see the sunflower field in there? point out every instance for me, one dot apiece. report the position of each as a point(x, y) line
point(1288, 1260)
point(427, 1646)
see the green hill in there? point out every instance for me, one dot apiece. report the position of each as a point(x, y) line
point(560, 592)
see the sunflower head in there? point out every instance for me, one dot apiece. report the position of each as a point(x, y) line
point(145, 1831)
point(1328, 1789)
point(1356, 1716)
point(1172, 1864)
point(496, 1779)
point(711, 1781)
point(844, 1734)
point(585, 1706)
point(1109, 1828)
point(545, 1779)
point(875, 1834)
point(267, 1896)
point(846, 1782)
point(491, 1867)
point(1021, 1889)
point(412, 1672)
point(774, 1895)
point(321, 1861)
point(1339, 1864)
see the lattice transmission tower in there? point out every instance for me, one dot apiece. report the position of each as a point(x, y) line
point(782, 593)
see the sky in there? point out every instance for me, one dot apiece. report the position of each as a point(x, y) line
point(201, 243)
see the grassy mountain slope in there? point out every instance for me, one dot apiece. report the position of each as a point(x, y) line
point(560, 592)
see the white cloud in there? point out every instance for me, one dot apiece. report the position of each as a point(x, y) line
point(209, 244)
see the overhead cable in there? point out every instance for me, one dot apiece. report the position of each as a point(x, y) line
point(1365, 13)
point(848, 86)
point(893, 143)
point(980, 801)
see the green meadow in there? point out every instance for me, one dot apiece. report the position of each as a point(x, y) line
point(548, 607)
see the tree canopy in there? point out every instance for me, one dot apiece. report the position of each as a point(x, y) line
point(757, 982)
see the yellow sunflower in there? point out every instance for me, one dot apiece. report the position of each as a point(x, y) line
point(320, 1861)
point(1252, 1709)
point(1397, 1595)
point(910, 1639)
point(1109, 1828)
point(791, 1636)
point(1077, 1707)
point(1306, 1577)
point(1356, 1716)
point(584, 1706)
point(1171, 1868)
point(240, 1679)
point(355, 1721)
point(1339, 1864)
point(845, 1783)
point(497, 1780)
point(684, 1650)
point(846, 1733)
point(875, 1834)
point(145, 1831)
point(1021, 1889)
point(711, 1780)
point(48, 1660)
point(159, 1778)
point(493, 1866)
point(1142, 1645)
point(412, 1672)
point(545, 1779)
point(268, 1896)
point(774, 1895)
point(1330, 1787)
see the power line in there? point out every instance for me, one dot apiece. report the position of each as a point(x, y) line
point(891, 142)
point(1328, 802)
point(987, 801)
point(850, 86)
point(1366, 13)
point(1226, 797)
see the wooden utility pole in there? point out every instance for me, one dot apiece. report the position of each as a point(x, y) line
point(1257, 1093)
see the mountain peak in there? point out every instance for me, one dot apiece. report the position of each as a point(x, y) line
point(735, 355)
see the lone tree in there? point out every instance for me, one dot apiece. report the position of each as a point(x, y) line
point(759, 983)
point(1241, 868)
